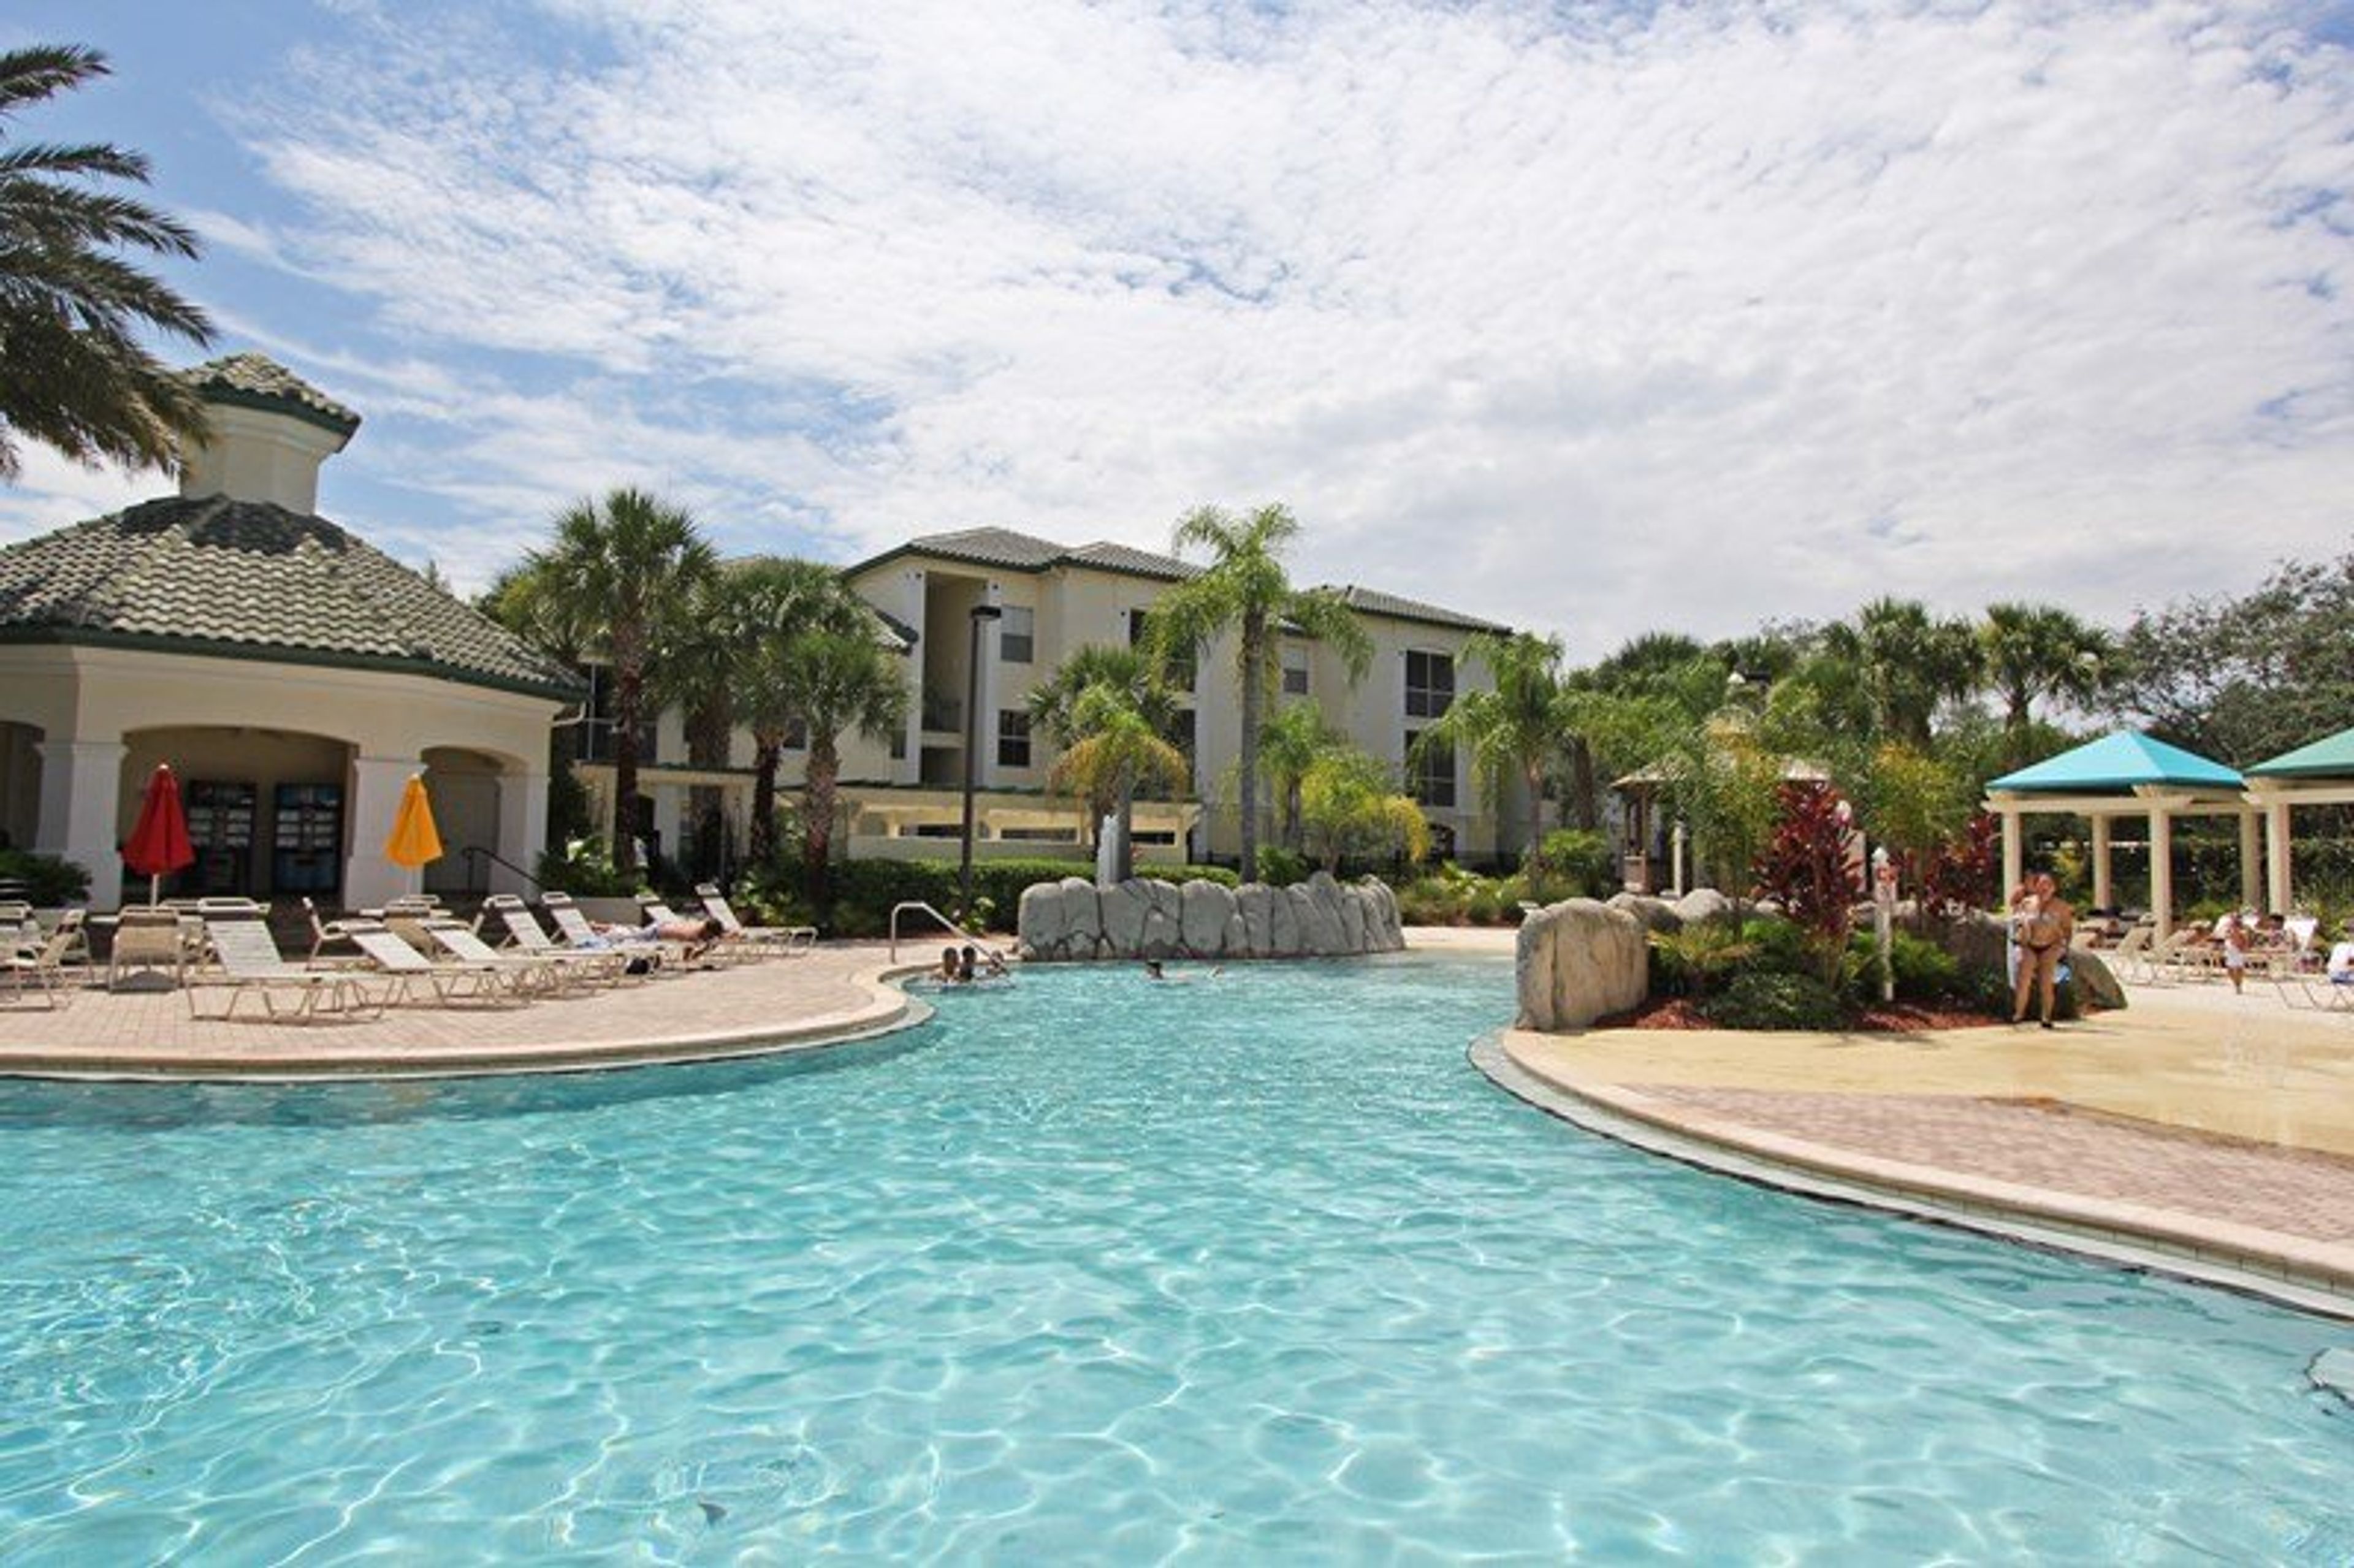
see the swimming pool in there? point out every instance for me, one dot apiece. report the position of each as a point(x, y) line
point(1090, 1269)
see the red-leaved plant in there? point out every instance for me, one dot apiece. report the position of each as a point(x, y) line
point(1807, 869)
point(1960, 874)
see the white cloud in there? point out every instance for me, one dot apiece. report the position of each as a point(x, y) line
point(1735, 311)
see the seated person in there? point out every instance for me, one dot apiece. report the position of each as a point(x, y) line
point(947, 973)
point(2341, 962)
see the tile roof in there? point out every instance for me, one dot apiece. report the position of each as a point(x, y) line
point(1111, 558)
point(1004, 549)
point(1372, 601)
point(243, 578)
point(258, 381)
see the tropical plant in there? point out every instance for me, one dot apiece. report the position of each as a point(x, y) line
point(1904, 662)
point(765, 607)
point(697, 669)
point(72, 311)
point(1807, 868)
point(1114, 749)
point(616, 577)
point(1351, 810)
point(1514, 728)
point(2040, 650)
point(1691, 960)
point(1120, 681)
point(1288, 745)
point(1767, 1000)
point(1959, 875)
point(1245, 587)
point(839, 680)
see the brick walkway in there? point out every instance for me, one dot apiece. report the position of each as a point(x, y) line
point(835, 991)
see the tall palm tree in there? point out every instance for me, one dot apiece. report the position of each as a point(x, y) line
point(1518, 728)
point(1904, 662)
point(768, 604)
point(838, 682)
point(698, 668)
point(1245, 586)
point(2040, 650)
point(72, 372)
point(616, 576)
point(1061, 711)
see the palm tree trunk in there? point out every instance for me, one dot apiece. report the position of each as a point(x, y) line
point(1254, 654)
point(628, 692)
point(1582, 784)
point(1533, 775)
point(816, 832)
point(1123, 862)
point(761, 841)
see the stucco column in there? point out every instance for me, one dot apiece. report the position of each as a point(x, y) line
point(669, 814)
point(2276, 855)
point(909, 770)
point(2102, 884)
point(369, 878)
point(2014, 853)
point(2252, 872)
point(82, 800)
point(2161, 870)
point(522, 828)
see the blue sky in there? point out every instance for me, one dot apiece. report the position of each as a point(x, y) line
point(1588, 320)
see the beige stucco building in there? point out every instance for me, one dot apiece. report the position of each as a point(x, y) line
point(904, 799)
point(293, 676)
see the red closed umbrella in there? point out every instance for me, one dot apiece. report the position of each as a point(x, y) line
point(158, 844)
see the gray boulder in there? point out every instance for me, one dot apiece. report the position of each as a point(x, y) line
point(1082, 919)
point(1125, 905)
point(1163, 935)
point(1203, 908)
point(1579, 960)
point(1254, 900)
point(1702, 903)
point(1282, 922)
point(1039, 926)
point(1656, 914)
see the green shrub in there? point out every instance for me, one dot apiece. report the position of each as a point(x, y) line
point(1776, 946)
point(1486, 905)
point(1757, 1000)
point(1924, 971)
point(1576, 861)
point(1692, 961)
point(865, 891)
point(1432, 901)
point(1279, 867)
point(586, 873)
point(49, 882)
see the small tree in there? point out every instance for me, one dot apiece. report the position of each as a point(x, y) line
point(1349, 807)
point(1959, 877)
point(1805, 866)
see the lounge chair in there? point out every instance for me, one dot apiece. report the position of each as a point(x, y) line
point(788, 939)
point(526, 971)
point(147, 940)
point(41, 962)
point(604, 965)
point(489, 984)
point(252, 965)
point(575, 929)
point(323, 932)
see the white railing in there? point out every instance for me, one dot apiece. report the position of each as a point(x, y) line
point(910, 904)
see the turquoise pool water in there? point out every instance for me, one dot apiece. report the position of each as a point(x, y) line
point(1089, 1270)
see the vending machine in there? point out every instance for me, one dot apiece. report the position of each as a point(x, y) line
point(221, 830)
point(307, 843)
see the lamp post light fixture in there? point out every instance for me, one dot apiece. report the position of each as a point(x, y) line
point(982, 614)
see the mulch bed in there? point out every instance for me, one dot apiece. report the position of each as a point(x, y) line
point(1896, 1018)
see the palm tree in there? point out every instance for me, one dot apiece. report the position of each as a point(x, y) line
point(1115, 748)
point(2040, 650)
point(837, 681)
point(1517, 728)
point(768, 604)
point(72, 372)
point(1289, 743)
point(1245, 586)
point(697, 669)
point(1904, 662)
point(1350, 808)
point(616, 577)
point(1060, 710)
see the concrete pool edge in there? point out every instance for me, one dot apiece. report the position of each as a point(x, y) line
point(886, 1009)
point(2293, 1271)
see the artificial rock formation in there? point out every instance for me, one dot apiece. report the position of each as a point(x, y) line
point(1142, 918)
point(1580, 960)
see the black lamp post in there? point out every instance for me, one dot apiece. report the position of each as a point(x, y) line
point(982, 614)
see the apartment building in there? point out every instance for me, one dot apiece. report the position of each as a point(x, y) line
point(905, 800)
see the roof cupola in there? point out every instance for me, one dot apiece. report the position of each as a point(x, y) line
point(270, 432)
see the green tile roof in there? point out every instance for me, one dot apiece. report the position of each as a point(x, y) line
point(2117, 762)
point(249, 579)
point(2332, 757)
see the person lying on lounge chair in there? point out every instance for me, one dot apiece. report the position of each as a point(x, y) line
point(695, 936)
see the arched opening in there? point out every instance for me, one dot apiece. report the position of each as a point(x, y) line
point(464, 787)
point(20, 784)
point(268, 810)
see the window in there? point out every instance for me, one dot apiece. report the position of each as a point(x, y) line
point(1016, 635)
point(1180, 673)
point(1430, 779)
point(597, 731)
point(1430, 684)
point(1013, 738)
point(1295, 670)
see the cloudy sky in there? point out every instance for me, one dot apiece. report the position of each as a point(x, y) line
point(1589, 318)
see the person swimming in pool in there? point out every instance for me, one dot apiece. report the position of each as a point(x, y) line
point(948, 970)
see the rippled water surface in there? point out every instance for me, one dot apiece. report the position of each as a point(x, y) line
point(1088, 1270)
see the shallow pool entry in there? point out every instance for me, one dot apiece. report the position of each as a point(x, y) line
point(1094, 1268)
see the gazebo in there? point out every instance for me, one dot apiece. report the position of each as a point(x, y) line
point(2321, 774)
point(2128, 773)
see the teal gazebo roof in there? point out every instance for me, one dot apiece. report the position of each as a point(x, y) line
point(2330, 758)
point(2119, 762)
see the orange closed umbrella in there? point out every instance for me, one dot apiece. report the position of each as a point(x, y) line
point(414, 839)
point(158, 844)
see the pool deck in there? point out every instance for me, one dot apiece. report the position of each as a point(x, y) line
point(2209, 1134)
